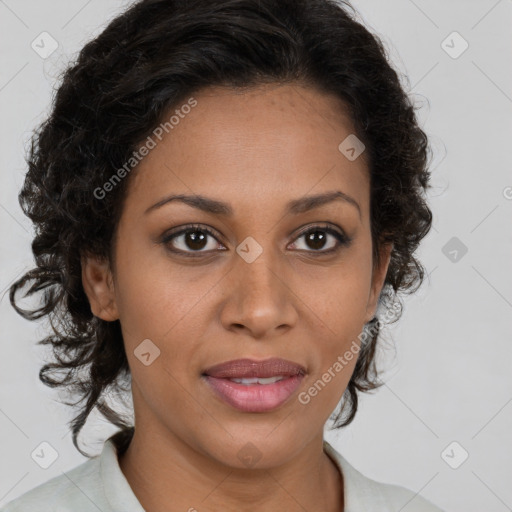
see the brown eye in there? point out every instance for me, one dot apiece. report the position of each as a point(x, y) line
point(195, 240)
point(316, 239)
point(191, 239)
point(322, 239)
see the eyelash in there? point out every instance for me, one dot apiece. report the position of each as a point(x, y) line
point(342, 239)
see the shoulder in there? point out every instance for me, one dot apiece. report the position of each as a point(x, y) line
point(363, 493)
point(77, 490)
point(398, 498)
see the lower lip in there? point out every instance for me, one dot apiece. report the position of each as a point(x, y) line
point(255, 397)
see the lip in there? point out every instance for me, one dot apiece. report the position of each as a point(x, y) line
point(246, 368)
point(255, 397)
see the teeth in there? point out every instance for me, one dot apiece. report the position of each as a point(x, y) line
point(259, 380)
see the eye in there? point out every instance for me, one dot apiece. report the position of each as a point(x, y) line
point(322, 239)
point(191, 239)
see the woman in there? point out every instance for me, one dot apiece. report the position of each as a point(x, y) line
point(224, 193)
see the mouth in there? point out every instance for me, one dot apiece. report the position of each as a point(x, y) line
point(255, 386)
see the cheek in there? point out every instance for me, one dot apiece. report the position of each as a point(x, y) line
point(340, 302)
point(340, 296)
point(154, 295)
point(335, 355)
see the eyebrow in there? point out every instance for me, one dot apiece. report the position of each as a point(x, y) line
point(296, 206)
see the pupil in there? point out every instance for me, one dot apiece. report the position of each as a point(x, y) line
point(316, 239)
point(194, 237)
point(197, 240)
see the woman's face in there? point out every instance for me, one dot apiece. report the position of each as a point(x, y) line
point(279, 276)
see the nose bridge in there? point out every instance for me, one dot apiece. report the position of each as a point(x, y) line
point(258, 268)
point(259, 296)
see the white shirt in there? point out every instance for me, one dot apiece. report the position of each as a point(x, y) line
point(99, 485)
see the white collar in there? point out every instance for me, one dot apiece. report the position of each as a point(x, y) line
point(121, 497)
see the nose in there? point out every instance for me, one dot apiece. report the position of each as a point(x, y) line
point(260, 297)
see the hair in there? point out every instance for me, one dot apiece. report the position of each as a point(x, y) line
point(120, 87)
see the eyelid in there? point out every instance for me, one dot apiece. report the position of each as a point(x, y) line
point(168, 236)
point(342, 238)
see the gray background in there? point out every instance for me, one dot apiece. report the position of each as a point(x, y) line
point(448, 373)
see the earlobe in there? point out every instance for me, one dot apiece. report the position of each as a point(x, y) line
point(99, 287)
point(378, 278)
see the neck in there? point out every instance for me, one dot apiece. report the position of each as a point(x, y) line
point(167, 474)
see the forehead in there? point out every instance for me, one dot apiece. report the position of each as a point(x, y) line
point(265, 142)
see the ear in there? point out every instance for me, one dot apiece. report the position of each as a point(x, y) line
point(378, 278)
point(99, 287)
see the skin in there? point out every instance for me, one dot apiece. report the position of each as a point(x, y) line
point(256, 150)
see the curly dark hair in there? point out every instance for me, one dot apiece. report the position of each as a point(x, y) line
point(123, 83)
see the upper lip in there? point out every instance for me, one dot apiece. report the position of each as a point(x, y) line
point(247, 368)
